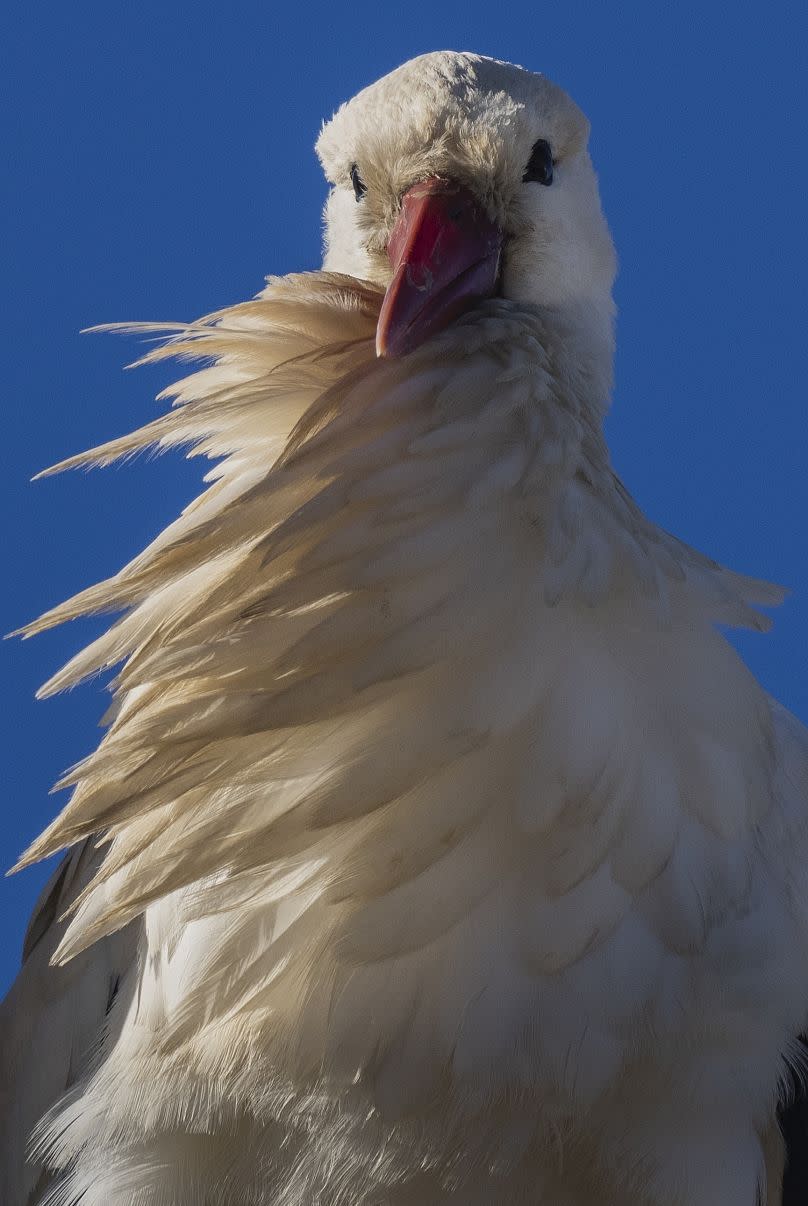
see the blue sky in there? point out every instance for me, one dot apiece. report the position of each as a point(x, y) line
point(161, 164)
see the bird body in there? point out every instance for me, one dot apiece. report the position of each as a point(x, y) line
point(447, 852)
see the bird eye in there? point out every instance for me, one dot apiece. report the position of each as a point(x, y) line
point(359, 186)
point(540, 165)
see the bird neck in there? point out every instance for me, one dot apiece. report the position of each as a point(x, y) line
point(583, 336)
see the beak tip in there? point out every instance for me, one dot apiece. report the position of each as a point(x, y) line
point(390, 342)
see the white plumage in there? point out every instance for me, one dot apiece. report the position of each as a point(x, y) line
point(447, 851)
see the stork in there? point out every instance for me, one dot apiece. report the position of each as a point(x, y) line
point(440, 849)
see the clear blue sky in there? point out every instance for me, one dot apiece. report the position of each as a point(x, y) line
point(158, 163)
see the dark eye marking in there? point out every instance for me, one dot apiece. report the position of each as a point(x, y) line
point(359, 186)
point(540, 165)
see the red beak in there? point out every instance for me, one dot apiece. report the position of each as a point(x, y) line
point(444, 252)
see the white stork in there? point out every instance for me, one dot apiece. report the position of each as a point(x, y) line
point(440, 849)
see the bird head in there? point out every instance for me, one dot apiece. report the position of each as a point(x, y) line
point(456, 178)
